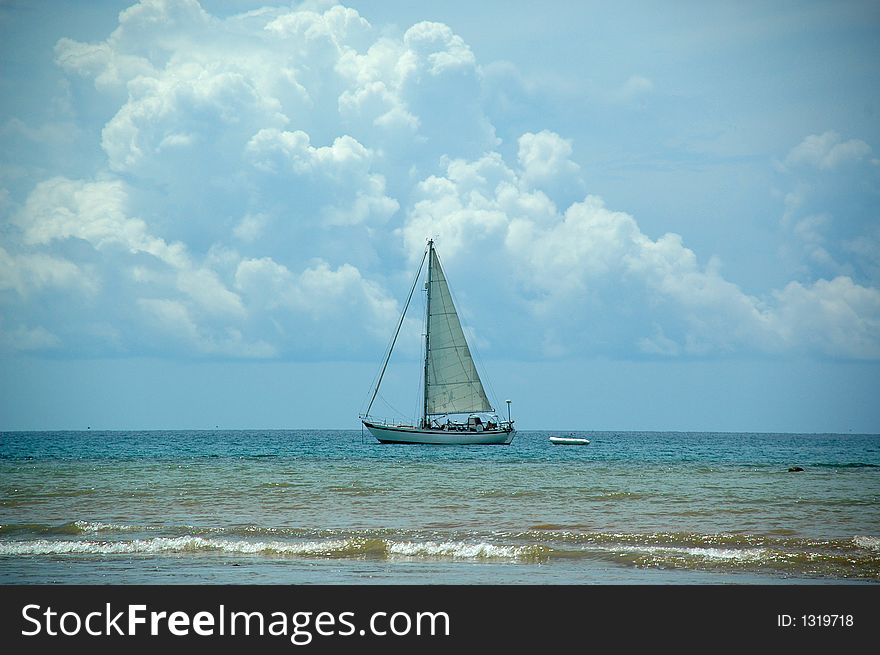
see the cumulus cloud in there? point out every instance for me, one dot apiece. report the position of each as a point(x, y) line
point(341, 171)
point(269, 179)
point(826, 151)
point(33, 272)
point(319, 292)
point(25, 339)
point(95, 212)
point(338, 28)
point(591, 264)
point(545, 160)
point(419, 94)
point(830, 229)
point(190, 107)
point(836, 317)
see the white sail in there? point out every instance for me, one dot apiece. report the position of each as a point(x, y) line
point(452, 384)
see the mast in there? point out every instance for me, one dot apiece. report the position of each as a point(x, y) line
point(430, 256)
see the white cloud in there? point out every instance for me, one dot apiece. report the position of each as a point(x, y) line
point(189, 104)
point(341, 171)
point(380, 107)
point(865, 249)
point(276, 151)
point(402, 91)
point(828, 224)
point(95, 212)
point(338, 27)
point(438, 47)
point(319, 295)
point(251, 226)
point(110, 69)
point(545, 159)
point(60, 210)
point(173, 319)
point(172, 316)
point(23, 339)
point(592, 264)
point(199, 96)
point(836, 317)
point(461, 207)
point(827, 151)
point(593, 252)
point(29, 273)
point(208, 292)
point(659, 344)
point(265, 282)
point(326, 151)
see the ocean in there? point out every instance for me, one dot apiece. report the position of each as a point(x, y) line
point(336, 507)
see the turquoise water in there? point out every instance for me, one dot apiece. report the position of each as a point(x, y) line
point(337, 507)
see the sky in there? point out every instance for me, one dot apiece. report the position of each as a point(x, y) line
point(653, 216)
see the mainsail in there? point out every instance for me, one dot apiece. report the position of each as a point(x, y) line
point(452, 385)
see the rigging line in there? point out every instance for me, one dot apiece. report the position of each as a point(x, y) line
point(391, 407)
point(374, 385)
point(480, 366)
point(488, 378)
point(396, 332)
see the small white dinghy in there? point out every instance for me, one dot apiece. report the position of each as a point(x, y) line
point(569, 441)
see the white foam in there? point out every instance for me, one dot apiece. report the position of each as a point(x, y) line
point(170, 545)
point(716, 554)
point(88, 526)
point(453, 549)
point(871, 543)
point(351, 547)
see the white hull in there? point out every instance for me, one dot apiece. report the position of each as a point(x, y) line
point(569, 441)
point(407, 434)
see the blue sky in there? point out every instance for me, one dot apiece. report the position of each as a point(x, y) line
point(654, 216)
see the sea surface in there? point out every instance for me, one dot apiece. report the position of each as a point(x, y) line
point(336, 507)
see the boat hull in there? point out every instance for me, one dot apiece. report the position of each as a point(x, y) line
point(412, 435)
point(569, 441)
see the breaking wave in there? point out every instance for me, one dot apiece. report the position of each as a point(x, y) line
point(855, 557)
point(183, 545)
point(869, 543)
point(332, 548)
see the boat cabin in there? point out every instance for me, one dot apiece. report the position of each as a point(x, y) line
point(475, 424)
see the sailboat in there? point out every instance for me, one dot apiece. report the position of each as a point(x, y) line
point(455, 408)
